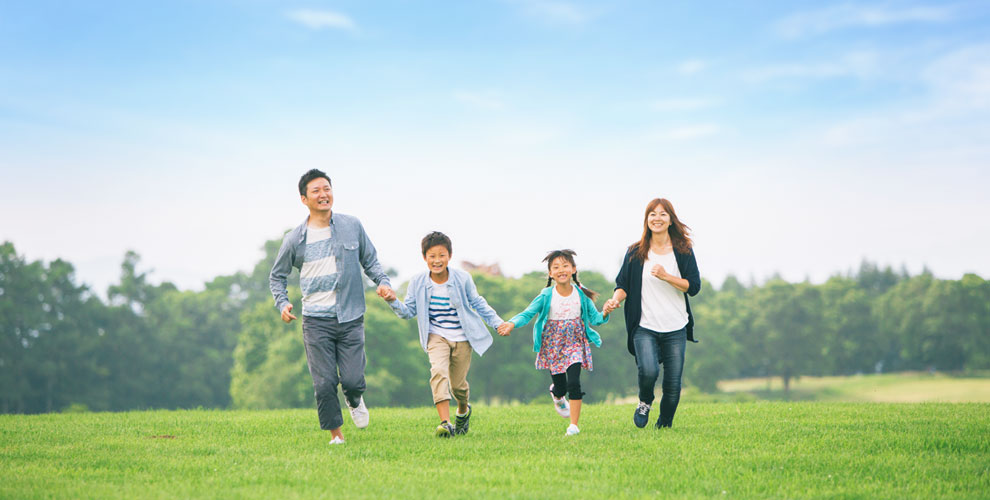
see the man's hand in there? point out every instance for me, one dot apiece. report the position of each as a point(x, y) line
point(287, 314)
point(505, 328)
point(386, 292)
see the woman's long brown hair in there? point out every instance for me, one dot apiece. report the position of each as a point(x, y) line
point(677, 230)
point(568, 255)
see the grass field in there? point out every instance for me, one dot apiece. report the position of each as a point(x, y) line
point(722, 450)
point(910, 387)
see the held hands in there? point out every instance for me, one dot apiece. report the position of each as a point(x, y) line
point(505, 328)
point(287, 314)
point(610, 305)
point(386, 292)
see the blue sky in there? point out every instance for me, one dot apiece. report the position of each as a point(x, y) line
point(794, 137)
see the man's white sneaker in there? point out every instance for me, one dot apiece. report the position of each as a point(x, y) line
point(337, 440)
point(561, 405)
point(572, 430)
point(359, 414)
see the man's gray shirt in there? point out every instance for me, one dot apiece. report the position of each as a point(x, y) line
point(353, 252)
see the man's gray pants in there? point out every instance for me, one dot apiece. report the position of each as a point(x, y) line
point(332, 348)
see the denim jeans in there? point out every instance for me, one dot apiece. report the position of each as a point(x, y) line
point(652, 350)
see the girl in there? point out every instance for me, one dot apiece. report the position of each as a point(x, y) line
point(658, 274)
point(562, 333)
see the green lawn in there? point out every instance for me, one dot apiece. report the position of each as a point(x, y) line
point(723, 450)
point(908, 387)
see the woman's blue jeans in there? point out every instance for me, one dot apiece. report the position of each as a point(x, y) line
point(652, 350)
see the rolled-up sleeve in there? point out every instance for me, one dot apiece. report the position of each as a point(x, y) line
point(369, 259)
point(690, 273)
point(279, 276)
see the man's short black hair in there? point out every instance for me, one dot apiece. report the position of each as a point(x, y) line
point(308, 177)
point(436, 238)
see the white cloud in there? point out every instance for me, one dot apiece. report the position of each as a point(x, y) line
point(852, 15)
point(953, 118)
point(682, 104)
point(691, 67)
point(962, 78)
point(555, 11)
point(320, 19)
point(484, 100)
point(687, 133)
point(859, 64)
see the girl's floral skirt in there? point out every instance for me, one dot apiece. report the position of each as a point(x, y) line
point(563, 344)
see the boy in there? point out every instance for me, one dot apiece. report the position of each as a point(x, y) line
point(450, 325)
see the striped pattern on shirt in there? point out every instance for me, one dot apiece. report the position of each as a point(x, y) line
point(443, 317)
point(318, 276)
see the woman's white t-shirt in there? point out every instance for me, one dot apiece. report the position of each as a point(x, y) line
point(664, 309)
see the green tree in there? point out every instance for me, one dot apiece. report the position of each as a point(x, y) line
point(726, 319)
point(269, 369)
point(851, 340)
point(788, 316)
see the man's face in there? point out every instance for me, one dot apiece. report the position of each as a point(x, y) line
point(319, 195)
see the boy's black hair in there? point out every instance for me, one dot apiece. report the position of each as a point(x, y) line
point(308, 177)
point(436, 238)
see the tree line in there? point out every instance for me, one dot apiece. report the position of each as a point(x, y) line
point(154, 346)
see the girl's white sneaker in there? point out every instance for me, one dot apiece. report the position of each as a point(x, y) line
point(561, 405)
point(572, 430)
point(337, 440)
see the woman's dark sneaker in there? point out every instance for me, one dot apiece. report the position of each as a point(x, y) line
point(461, 422)
point(642, 415)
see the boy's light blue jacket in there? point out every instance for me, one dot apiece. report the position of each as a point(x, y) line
point(541, 306)
point(463, 293)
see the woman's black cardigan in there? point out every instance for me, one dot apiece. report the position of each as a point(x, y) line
point(630, 279)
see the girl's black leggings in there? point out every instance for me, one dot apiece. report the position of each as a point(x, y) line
point(568, 383)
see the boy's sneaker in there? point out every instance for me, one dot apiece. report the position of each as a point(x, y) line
point(337, 440)
point(561, 405)
point(642, 415)
point(572, 430)
point(445, 430)
point(359, 413)
point(461, 422)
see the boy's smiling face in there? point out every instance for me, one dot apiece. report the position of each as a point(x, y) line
point(437, 257)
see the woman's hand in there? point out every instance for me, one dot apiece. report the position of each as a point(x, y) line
point(659, 272)
point(610, 305)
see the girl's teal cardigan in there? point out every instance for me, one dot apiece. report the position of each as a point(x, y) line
point(540, 307)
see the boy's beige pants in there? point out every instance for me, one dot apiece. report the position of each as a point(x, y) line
point(449, 363)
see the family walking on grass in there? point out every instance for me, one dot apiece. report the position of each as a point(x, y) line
point(331, 250)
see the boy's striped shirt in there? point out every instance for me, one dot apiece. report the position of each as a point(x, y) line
point(443, 317)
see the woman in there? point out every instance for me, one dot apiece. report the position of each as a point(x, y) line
point(658, 274)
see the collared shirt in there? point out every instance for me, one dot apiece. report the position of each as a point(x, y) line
point(443, 317)
point(352, 251)
point(473, 310)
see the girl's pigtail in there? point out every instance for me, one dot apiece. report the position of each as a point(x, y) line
point(591, 294)
point(549, 280)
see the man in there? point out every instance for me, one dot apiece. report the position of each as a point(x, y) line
point(330, 250)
